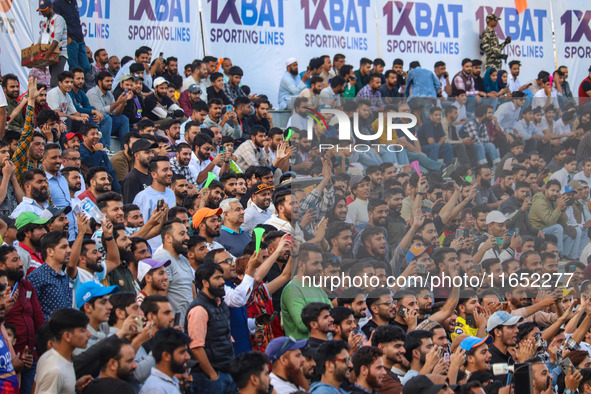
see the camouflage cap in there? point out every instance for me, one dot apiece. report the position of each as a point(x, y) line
point(492, 17)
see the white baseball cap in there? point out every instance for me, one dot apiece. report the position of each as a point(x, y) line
point(495, 217)
point(159, 81)
point(290, 61)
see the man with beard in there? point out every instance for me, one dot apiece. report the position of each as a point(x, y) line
point(516, 209)
point(340, 238)
point(354, 299)
point(152, 277)
point(374, 242)
point(317, 319)
point(381, 307)
point(11, 86)
point(229, 180)
point(102, 99)
point(30, 229)
point(215, 195)
point(50, 280)
point(485, 193)
point(98, 183)
point(197, 250)
point(250, 371)
point(138, 178)
point(159, 192)
point(26, 311)
point(180, 187)
point(10, 190)
point(258, 212)
point(297, 293)
point(395, 224)
point(29, 151)
point(251, 152)
point(232, 237)
point(477, 355)
point(203, 163)
point(548, 213)
point(92, 153)
point(170, 349)
point(119, 273)
point(345, 326)
point(82, 104)
point(58, 185)
point(390, 340)
point(36, 193)
point(261, 117)
point(174, 248)
point(207, 222)
point(58, 220)
point(117, 364)
point(132, 217)
point(378, 212)
point(287, 364)
point(286, 214)
point(241, 188)
point(369, 370)
point(122, 161)
point(502, 327)
point(208, 325)
point(180, 162)
point(333, 364)
point(291, 83)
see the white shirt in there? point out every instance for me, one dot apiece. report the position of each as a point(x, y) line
point(55, 374)
point(508, 116)
point(160, 383)
point(514, 84)
point(3, 102)
point(284, 225)
point(561, 129)
point(461, 111)
point(58, 101)
point(443, 85)
point(327, 94)
point(283, 386)
point(561, 176)
point(580, 176)
point(196, 166)
point(540, 97)
point(28, 205)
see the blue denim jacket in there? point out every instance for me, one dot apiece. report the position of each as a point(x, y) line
point(424, 83)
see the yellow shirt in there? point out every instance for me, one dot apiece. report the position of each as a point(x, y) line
point(463, 328)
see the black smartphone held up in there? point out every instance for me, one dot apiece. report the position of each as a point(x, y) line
point(402, 311)
point(177, 319)
point(470, 320)
point(161, 54)
point(160, 204)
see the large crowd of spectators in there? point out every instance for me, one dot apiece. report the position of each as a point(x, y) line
point(215, 252)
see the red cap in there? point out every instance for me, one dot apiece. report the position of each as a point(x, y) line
point(69, 136)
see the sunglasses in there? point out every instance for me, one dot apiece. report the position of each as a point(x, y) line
point(226, 261)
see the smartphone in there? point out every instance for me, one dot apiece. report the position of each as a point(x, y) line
point(177, 319)
point(402, 311)
point(566, 365)
point(161, 54)
point(357, 330)
point(516, 231)
point(470, 320)
point(460, 233)
point(160, 204)
point(228, 108)
point(421, 268)
point(439, 195)
point(572, 268)
point(446, 357)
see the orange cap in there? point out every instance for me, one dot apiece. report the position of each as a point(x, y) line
point(205, 213)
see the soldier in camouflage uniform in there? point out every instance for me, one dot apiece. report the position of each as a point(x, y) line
point(489, 43)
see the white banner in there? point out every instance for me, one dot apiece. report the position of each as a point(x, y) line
point(572, 21)
point(16, 32)
point(449, 30)
point(260, 36)
point(169, 26)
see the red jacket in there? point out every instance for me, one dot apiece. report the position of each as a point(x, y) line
point(26, 315)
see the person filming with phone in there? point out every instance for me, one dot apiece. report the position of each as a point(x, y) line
point(496, 242)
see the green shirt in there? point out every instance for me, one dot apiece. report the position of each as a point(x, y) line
point(293, 299)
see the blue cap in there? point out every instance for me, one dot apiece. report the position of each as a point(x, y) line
point(279, 346)
point(413, 253)
point(91, 289)
point(568, 189)
point(472, 342)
